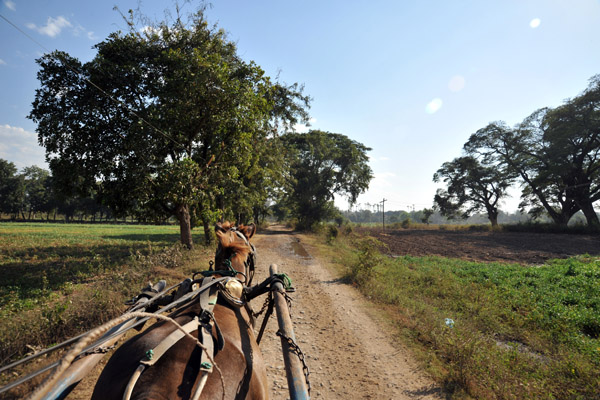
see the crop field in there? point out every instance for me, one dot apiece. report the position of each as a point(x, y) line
point(503, 315)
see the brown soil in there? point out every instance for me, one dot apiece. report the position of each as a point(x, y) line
point(523, 248)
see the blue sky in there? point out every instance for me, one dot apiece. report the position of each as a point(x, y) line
point(410, 79)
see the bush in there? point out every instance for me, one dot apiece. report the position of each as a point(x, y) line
point(368, 257)
point(331, 233)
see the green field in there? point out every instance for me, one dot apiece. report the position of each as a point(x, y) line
point(488, 330)
point(58, 280)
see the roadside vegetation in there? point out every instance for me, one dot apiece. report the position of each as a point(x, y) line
point(486, 330)
point(60, 280)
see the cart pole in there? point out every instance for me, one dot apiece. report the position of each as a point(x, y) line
point(293, 366)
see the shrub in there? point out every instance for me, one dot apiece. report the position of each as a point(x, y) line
point(368, 257)
point(331, 233)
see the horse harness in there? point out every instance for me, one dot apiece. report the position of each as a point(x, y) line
point(231, 290)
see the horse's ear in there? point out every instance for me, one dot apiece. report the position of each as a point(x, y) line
point(219, 227)
point(248, 230)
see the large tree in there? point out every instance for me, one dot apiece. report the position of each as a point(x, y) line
point(523, 151)
point(37, 195)
point(157, 116)
point(471, 187)
point(321, 165)
point(572, 132)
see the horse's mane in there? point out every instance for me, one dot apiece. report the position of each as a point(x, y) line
point(230, 240)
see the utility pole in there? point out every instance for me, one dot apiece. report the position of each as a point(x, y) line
point(383, 209)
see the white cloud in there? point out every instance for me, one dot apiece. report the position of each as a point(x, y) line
point(53, 26)
point(433, 106)
point(10, 5)
point(80, 31)
point(21, 147)
point(382, 180)
point(534, 23)
point(2, 62)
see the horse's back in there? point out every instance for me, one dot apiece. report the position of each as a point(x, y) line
point(175, 375)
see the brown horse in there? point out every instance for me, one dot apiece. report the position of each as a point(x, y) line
point(241, 372)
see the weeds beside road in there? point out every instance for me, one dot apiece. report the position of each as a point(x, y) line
point(488, 330)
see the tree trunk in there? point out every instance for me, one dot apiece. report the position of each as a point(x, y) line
point(590, 215)
point(206, 225)
point(492, 213)
point(256, 212)
point(182, 212)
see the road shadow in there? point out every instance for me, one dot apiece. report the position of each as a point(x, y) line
point(338, 281)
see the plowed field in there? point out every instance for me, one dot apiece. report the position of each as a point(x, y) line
point(523, 248)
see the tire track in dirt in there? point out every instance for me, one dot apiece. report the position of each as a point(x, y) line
point(349, 354)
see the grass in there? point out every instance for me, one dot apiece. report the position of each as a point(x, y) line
point(489, 330)
point(59, 280)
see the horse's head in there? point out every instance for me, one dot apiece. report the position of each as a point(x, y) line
point(234, 249)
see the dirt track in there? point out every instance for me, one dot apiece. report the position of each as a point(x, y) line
point(350, 353)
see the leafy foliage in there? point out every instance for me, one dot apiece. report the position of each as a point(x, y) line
point(322, 164)
point(178, 112)
point(12, 188)
point(471, 184)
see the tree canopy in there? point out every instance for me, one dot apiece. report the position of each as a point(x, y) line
point(471, 187)
point(321, 165)
point(160, 118)
point(554, 154)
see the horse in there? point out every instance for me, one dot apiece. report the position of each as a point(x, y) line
point(240, 371)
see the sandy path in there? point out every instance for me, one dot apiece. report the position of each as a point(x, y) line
point(348, 352)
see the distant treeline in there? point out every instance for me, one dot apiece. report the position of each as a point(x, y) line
point(31, 194)
point(427, 216)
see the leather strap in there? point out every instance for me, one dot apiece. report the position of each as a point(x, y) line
point(168, 342)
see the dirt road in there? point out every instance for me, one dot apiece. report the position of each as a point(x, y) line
point(349, 352)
